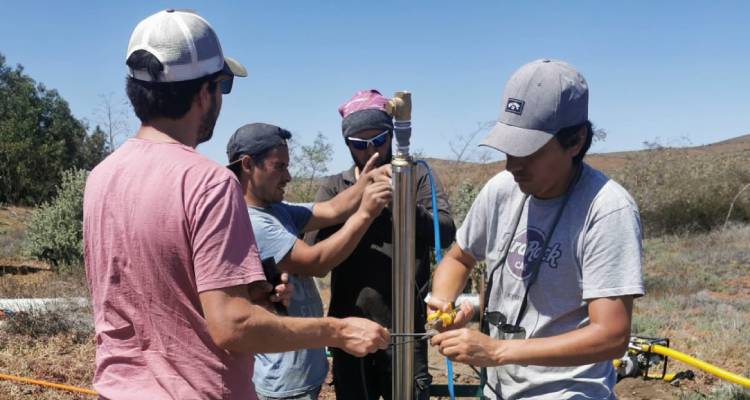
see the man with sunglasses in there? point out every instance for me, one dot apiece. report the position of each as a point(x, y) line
point(361, 284)
point(178, 292)
point(562, 246)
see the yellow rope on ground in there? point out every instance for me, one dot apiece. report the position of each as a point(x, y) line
point(48, 384)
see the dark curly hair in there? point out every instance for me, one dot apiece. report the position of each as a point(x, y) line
point(568, 137)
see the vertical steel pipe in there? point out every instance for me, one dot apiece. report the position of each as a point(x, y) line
point(403, 275)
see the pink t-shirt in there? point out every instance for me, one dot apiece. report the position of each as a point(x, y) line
point(162, 223)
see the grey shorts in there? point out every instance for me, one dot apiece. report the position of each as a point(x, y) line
point(311, 395)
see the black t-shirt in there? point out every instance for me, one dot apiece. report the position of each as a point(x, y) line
point(370, 263)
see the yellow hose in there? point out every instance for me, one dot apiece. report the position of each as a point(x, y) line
point(711, 369)
point(48, 384)
point(665, 378)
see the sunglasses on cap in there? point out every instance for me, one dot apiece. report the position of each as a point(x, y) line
point(507, 331)
point(225, 83)
point(363, 144)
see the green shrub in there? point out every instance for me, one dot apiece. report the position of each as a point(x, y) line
point(461, 200)
point(55, 232)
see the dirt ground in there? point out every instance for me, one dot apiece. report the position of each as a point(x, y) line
point(628, 389)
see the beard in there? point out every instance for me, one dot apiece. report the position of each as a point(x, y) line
point(208, 122)
point(382, 159)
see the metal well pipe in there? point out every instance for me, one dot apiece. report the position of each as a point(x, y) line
point(403, 275)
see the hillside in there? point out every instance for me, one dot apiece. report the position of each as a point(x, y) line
point(606, 162)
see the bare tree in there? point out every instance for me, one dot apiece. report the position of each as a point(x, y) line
point(599, 134)
point(460, 145)
point(112, 115)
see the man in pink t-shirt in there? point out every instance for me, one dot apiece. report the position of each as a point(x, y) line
point(176, 284)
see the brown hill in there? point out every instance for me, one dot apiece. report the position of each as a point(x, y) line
point(453, 172)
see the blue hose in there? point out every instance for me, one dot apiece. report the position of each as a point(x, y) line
point(438, 257)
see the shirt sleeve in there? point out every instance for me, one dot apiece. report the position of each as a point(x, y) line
point(273, 239)
point(224, 249)
point(612, 254)
point(471, 237)
point(300, 214)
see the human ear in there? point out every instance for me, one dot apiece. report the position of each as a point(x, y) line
point(247, 164)
point(580, 141)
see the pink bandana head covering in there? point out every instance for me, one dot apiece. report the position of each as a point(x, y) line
point(364, 100)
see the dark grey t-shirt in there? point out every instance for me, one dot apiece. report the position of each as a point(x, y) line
point(595, 251)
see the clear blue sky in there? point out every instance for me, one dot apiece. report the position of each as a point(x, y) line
point(667, 69)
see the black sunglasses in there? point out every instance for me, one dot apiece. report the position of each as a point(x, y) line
point(225, 82)
point(499, 320)
point(363, 144)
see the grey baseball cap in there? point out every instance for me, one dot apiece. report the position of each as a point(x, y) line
point(540, 98)
point(184, 43)
point(254, 139)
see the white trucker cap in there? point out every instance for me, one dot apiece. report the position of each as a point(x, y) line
point(184, 43)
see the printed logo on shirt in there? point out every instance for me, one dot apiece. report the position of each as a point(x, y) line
point(527, 248)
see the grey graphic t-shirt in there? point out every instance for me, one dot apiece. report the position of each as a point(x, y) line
point(295, 372)
point(595, 251)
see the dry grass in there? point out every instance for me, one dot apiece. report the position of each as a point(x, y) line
point(61, 358)
point(679, 190)
point(698, 296)
point(12, 228)
point(43, 284)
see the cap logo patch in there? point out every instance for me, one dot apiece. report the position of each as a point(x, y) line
point(514, 106)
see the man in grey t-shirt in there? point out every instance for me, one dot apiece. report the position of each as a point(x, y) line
point(259, 157)
point(562, 245)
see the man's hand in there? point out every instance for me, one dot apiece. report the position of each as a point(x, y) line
point(469, 347)
point(283, 292)
point(376, 196)
point(264, 294)
point(372, 173)
point(463, 314)
point(359, 336)
point(381, 174)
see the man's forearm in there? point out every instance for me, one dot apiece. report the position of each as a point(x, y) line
point(337, 209)
point(320, 258)
point(450, 276)
point(235, 324)
point(605, 337)
point(586, 345)
point(269, 333)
